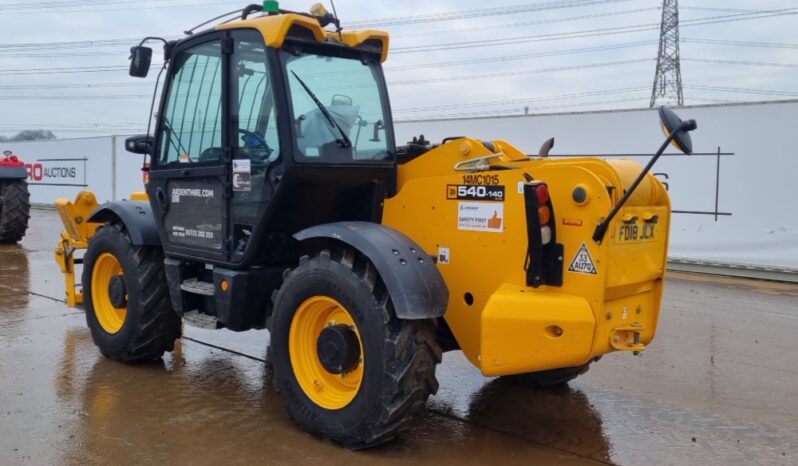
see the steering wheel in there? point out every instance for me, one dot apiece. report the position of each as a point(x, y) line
point(257, 145)
point(252, 140)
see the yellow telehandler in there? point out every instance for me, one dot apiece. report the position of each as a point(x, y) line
point(278, 199)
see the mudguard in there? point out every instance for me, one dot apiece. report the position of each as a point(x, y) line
point(135, 215)
point(13, 173)
point(416, 287)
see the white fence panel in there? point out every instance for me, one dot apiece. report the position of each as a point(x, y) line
point(64, 167)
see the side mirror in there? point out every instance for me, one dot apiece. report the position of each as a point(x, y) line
point(140, 60)
point(141, 144)
point(677, 132)
point(673, 125)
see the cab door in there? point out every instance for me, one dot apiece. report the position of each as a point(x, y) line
point(189, 187)
point(257, 165)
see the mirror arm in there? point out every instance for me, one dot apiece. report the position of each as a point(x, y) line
point(165, 42)
point(601, 228)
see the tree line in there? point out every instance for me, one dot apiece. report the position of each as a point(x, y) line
point(29, 135)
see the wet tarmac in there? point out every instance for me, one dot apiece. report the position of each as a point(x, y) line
point(718, 386)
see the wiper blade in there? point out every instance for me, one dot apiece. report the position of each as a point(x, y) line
point(179, 146)
point(344, 141)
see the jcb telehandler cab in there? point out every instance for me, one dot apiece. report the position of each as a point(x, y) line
point(277, 199)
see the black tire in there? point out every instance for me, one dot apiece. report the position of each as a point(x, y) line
point(551, 377)
point(14, 210)
point(150, 326)
point(399, 355)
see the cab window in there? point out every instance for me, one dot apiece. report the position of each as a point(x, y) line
point(339, 109)
point(192, 118)
point(254, 110)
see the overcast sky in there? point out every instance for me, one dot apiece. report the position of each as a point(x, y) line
point(71, 90)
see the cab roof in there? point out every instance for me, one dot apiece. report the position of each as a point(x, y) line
point(277, 28)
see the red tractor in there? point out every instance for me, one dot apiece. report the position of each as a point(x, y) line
point(14, 198)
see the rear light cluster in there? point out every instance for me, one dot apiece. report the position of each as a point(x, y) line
point(544, 257)
point(544, 211)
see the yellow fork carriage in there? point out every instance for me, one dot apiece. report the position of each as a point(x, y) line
point(278, 199)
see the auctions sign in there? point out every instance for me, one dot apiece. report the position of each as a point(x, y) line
point(57, 172)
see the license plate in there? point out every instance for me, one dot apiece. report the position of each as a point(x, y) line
point(636, 233)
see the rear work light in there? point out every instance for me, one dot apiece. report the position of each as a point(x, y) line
point(544, 261)
point(545, 234)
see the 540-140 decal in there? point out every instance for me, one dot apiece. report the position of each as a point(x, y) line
point(457, 192)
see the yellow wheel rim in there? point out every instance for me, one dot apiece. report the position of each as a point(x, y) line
point(328, 390)
point(111, 319)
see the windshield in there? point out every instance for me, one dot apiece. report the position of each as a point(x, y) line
point(339, 112)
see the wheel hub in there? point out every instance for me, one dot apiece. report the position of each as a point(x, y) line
point(117, 291)
point(338, 348)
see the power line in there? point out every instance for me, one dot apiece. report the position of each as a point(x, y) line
point(75, 97)
point(66, 70)
point(516, 73)
point(741, 62)
point(62, 125)
point(757, 14)
point(92, 7)
point(116, 53)
point(744, 14)
point(740, 43)
point(127, 41)
point(709, 8)
point(517, 112)
point(70, 44)
point(523, 39)
point(46, 71)
point(72, 3)
point(740, 17)
point(492, 27)
point(60, 4)
point(506, 58)
point(521, 100)
point(478, 13)
point(588, 32)
point(584, 94)
point(740, 90)
point(399, 83)
point(76, 85)
point(411, 67)
point(772, 92)
point(514, 9)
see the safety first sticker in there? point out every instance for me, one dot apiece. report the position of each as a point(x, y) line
point(583, 263)
point(481, 216)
